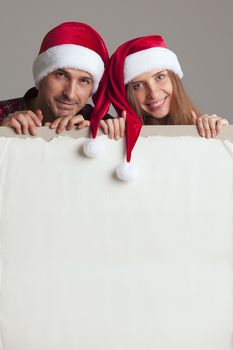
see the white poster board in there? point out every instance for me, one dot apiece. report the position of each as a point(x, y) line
point(91, 263)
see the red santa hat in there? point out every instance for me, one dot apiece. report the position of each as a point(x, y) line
point(72, 45)
point(131, 59)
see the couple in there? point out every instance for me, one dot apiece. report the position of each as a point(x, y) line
point(142, 80)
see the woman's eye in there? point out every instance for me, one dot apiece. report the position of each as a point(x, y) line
point(160, 77)
point(137, 86)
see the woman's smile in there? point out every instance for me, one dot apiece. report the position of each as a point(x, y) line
point(155, 105)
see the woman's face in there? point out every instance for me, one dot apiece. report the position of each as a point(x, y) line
point(153, 92)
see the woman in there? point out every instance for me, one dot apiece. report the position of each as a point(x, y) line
point(139, 71)
point(145, 87)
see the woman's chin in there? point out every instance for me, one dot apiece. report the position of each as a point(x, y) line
point(154, 118)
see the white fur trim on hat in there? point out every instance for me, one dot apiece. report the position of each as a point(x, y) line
point(68, 56)
point(147, 60)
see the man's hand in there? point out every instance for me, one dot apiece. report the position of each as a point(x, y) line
point(115, 128)
point(67, 123)
point(24, 122)
point(208, 125)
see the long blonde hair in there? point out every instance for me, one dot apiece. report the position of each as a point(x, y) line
point(180, 108)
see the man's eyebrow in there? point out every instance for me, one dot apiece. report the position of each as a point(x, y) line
point(83, 76)
point(61, 70)
point(67, 73)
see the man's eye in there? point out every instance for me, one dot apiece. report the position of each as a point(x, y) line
point(60, 74)
point(85, 81)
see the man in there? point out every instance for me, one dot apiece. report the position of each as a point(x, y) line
point(68, 70)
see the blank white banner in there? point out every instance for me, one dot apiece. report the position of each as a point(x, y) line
point(91, 263)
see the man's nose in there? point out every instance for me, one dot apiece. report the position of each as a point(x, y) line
point(70, 90)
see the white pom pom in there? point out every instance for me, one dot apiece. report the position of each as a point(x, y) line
point(126, 172)
point(93, 147)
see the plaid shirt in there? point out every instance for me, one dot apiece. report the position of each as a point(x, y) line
point(15, 104)
point(19, 104)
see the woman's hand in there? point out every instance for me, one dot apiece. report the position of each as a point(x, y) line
point(208, 125)
point(115, 128)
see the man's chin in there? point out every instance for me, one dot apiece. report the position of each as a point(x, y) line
point(64, 114)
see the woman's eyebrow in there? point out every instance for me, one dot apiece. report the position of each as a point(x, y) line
point(162, 71)
point(138, 81)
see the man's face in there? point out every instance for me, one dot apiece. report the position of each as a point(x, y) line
point(63, 93)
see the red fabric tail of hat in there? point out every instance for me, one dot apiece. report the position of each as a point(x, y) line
point(118, 96)
point(102, 103)
point(100, 98)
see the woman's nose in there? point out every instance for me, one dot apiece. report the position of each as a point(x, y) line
point(153, 91)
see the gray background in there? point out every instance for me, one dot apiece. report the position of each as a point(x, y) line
point(199, 32)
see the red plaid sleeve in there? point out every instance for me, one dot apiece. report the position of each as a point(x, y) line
point(11, 106)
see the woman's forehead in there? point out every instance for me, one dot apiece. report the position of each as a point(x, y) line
point(148, 75)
